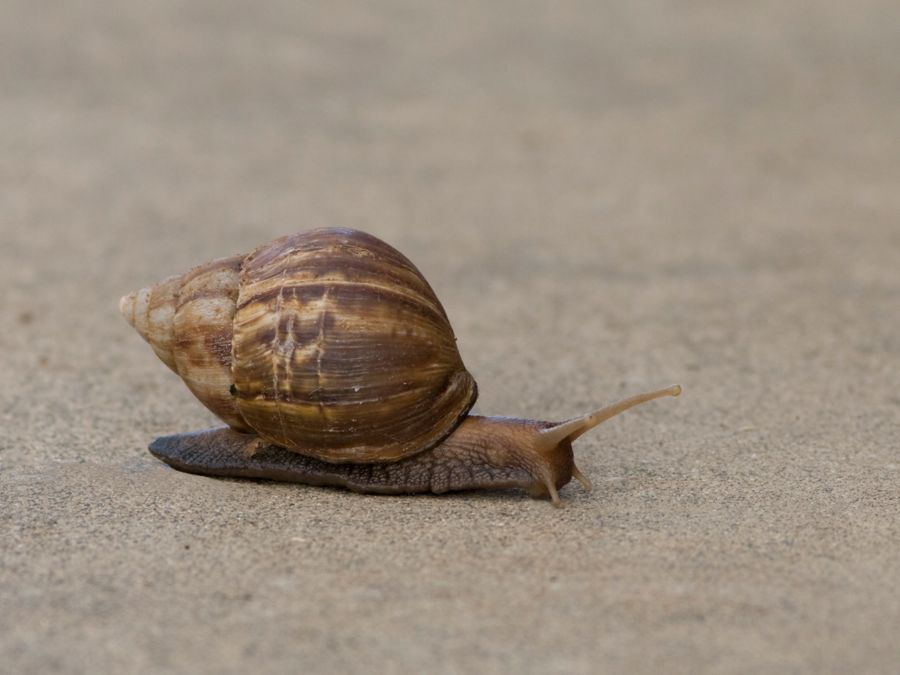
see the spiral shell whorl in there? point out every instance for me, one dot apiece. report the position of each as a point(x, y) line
point(343, 352)
point(187, 320)
point(151, 312)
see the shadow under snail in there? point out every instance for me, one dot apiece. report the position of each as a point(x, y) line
point(332, 362)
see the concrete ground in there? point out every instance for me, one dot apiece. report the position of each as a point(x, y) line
point(607, 197)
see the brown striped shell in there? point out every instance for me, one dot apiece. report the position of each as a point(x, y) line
point(328, 342)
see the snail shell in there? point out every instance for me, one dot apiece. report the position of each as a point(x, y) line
point(329, 343)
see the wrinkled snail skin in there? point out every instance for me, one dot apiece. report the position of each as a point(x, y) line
point(332, 362)
point(472, 457)
point(481, 453)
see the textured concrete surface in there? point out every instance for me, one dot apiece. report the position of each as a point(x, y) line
point(607, 197)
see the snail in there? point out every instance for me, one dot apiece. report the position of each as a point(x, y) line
point(332, 362)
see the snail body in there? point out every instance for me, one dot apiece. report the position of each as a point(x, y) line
point(332, 362)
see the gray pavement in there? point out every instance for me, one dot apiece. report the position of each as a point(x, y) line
point(607, 197)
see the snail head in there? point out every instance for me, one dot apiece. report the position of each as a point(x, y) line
point(553, 445)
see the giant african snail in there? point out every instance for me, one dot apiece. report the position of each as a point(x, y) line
point(333, 363)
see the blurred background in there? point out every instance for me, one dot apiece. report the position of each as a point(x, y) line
point(606, 196)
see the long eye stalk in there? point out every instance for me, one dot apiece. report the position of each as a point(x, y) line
point(573, 428)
